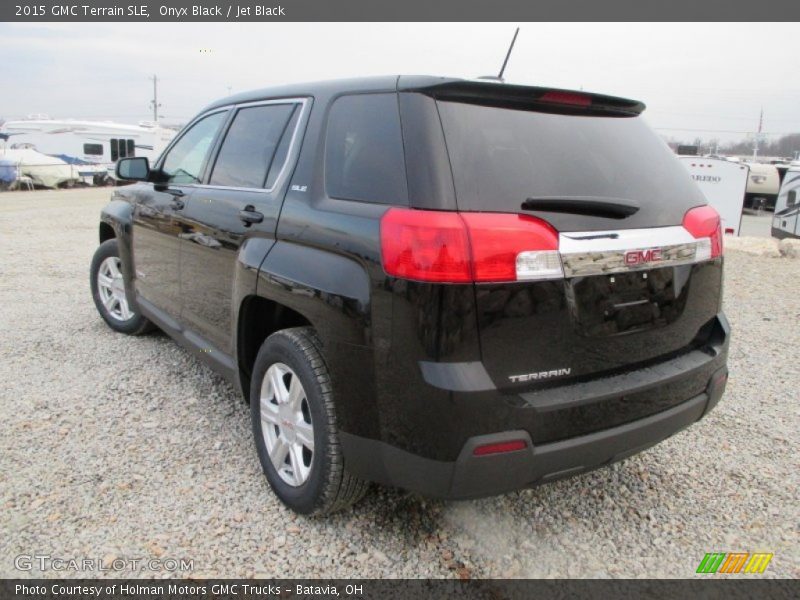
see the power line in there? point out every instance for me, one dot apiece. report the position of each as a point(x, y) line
point(705, 116)
point(724, 131)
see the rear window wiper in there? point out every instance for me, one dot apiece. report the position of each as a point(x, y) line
point(611, 208)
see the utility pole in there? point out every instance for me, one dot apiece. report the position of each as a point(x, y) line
point(154, 102)
point(758, 135)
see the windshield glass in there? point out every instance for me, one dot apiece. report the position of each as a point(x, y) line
point(501, 157)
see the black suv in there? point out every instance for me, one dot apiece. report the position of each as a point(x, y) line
point(456, 287)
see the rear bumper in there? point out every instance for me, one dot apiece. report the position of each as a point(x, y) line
point(473, 476)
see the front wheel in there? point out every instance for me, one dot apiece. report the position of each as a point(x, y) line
point(294, 425)
point(108, 292)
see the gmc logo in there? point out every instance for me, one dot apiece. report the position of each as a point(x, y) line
point(637, 257)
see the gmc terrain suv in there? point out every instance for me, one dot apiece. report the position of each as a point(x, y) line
point(456, 287)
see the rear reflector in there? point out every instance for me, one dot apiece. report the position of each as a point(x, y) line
point(500, 448)
point(450, 247)
point(704, 224)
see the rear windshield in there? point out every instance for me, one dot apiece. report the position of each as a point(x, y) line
point(501, 157)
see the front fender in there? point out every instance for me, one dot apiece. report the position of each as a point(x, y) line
point(118, 214)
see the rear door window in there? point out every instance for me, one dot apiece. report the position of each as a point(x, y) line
point(248, 149)
point(282, 151)
point(364, 150)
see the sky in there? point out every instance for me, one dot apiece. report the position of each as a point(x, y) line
point(697, 79)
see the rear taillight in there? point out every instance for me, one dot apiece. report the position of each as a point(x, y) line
point(512, 247)
point(425, 245)
point(452, 247)
point(704, 224)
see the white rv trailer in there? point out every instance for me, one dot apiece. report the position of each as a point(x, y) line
point(786, 220)
point(762, 186)
point(723, 183)
point(93, 146)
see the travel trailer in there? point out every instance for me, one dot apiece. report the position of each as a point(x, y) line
point(93, 146)
point(762, 186)
point(786, 220)
point(723, 183)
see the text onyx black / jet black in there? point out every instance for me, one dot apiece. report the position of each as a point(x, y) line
point(456, 287)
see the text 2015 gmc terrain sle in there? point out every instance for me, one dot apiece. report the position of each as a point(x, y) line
point(460, 288)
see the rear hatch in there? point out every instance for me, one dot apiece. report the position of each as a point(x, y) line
point(638, 280)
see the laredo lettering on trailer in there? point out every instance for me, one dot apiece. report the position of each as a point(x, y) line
point(710, 178)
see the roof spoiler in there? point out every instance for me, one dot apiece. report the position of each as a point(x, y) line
point(523, 97)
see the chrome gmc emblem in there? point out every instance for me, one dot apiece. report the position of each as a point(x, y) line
point(637, 257)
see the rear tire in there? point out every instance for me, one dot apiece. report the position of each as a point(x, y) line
point(108, 292)
point(294, 425)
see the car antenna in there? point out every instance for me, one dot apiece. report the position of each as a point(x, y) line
point(499, 76)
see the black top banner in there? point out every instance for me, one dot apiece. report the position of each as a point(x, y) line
point(400, 10)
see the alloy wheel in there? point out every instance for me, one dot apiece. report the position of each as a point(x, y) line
point(111, 286)
point(286, 424)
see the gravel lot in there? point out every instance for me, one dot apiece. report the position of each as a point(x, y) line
point(127, 447)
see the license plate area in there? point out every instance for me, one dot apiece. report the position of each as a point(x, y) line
point(620, 303)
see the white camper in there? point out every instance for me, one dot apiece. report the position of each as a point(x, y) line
point(762, 186)
point(93, 146)
point(786, 220)
point(723, 183)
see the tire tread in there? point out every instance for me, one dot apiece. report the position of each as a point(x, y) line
point(139, 325)
point(340, 489)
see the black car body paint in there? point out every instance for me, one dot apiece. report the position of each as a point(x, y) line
point(585, 369)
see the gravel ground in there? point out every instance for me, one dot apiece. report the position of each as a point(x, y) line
point(127, 447)
point(756, 224)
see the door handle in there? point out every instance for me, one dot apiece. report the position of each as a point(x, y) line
point(178, 193)
point(177, 204)
point(250, 215)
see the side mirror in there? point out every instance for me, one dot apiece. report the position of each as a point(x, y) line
point(133, 169)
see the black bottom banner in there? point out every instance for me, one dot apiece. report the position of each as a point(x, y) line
point(412, 589)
